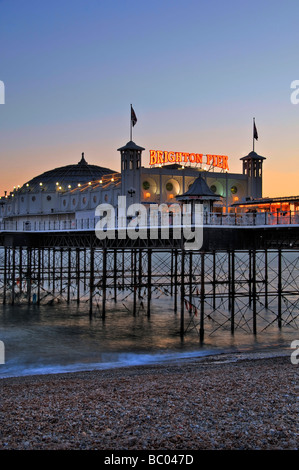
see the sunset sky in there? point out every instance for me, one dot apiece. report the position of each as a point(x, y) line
point(196, 72)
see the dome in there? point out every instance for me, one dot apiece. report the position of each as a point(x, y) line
point(66, 176)
point(199, 189)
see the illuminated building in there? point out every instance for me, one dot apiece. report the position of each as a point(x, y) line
point(171, 174)
point(71, 193)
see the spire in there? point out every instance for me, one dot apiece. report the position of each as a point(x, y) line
point(82, 161)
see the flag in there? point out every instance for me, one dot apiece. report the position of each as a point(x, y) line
point(133, 117)
point(255, 135)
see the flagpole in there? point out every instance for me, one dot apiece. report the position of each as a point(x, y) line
point(131, 123)
point(253, 132)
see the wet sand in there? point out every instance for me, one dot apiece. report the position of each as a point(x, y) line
point(212, 403)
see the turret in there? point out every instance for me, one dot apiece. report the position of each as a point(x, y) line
point(130, 172)
point(253, 169)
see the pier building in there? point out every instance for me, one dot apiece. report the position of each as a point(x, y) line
point(71, 193)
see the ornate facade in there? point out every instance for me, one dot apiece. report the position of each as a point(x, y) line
point(71, 193)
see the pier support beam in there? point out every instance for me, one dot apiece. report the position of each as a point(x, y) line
point(232, 292)
point(149, 281)
point(182, 329)
point(175, 280)
point(279, 290)
point(202, 298)
point(104, 282)
point(254, 290)
point(91, 281)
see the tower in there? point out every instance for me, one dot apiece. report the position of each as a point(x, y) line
point(253, 169)
point(131, 171)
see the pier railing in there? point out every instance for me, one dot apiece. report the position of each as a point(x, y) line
point(209, 219)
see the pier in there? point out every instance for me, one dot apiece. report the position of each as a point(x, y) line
point(242, 278)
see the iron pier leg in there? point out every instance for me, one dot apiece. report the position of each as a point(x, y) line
point(175, 280)
point(266, 279)
point(202, 298)
point(149, 280)
point(69, 276)
point(5, 275)
point(104, 282)
point(279, 288)
point(254, 289)
point(134, 280)
point(29, 259)
point(190, 282)
point(232, 292)
point(91, 281)
point(13, 277)
point(20, 269)
point(115, 274)
point(182, 290)
point(214, 280)
point(38, 275)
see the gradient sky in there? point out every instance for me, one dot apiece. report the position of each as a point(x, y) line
point(196, 72)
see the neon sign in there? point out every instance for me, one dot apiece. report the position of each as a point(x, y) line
point(159, 157)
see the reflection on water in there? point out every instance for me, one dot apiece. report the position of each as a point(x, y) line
point(48, 339)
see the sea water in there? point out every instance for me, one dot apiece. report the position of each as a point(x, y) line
point(46, 339)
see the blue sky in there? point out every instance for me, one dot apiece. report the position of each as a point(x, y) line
point(196, 72)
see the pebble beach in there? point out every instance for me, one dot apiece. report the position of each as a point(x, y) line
point(212, 403)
